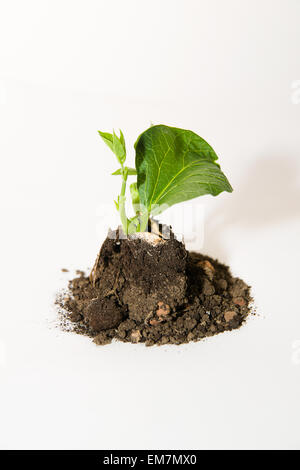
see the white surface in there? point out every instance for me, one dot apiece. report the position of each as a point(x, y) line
point(227, 70)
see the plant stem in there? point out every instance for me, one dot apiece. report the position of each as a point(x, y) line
point(138, 223)
point(122, 200)
point(144, 221)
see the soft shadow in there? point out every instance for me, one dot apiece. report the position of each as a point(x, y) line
point(269, 194)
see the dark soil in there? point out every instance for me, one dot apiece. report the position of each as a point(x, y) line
point(154, 292)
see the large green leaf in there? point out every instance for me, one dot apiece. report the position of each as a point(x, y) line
point(174, 165)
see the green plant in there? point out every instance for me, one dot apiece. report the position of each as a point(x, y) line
point(172, 165)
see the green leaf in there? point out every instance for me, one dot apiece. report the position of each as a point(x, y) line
point(116, 144)
point(131, 171)
point(117, 172)
point(108, 139)
point(118, 148)
point(122, 140)
point(175, 165)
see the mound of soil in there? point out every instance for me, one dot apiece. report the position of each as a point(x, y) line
point(150, 289)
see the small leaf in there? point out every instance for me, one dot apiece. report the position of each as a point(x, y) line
point(117, 172)
point(116, 144)
point(118, 148)
point(117, 204)
point(131, 171)
point(122, 140)
point(175, 165)
point(108, 139)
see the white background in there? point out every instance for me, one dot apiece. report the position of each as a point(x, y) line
point(227, 70)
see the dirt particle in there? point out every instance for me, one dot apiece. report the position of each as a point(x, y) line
point(101, 339)
point(190, 336)
point(80, 273)
point(154, 322)
point(163, 310)
point(238, 288)
point(207, 268)
point(75, 317)
point(239, 301)
point(103, 314)
point(164, 340)
point(135, 336)
point(221, 284)
point(229, 315)
point(207, 287)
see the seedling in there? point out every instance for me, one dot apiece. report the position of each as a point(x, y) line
point(151, 289)
point(172, 165)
